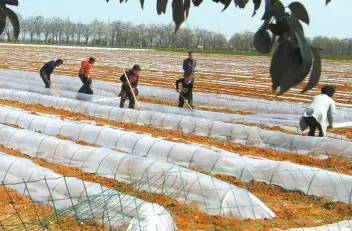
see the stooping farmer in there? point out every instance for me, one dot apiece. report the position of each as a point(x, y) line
point(46, 71)
point(84, 75)
point(320, 113)
point(129, 86)
point(186, 91)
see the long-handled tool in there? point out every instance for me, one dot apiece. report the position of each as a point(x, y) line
point(186, 100)
point(129, 84)
point(54, 89)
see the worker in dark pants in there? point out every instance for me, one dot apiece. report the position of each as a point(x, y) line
point(319, 114)
point(126, 91)
point(186, 92)
point(313, 126)
point(83, 74)
point(48, 69)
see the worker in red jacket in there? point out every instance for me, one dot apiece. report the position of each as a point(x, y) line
point(126, 91)
point(84, 73)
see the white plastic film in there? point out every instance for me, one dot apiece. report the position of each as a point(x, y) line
point(312, 181)
point(211, 195)
point(235, 103)
point(106, 95)
point(83, 200)
point(235, 133)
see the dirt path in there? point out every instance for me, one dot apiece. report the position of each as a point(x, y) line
point(19, 213)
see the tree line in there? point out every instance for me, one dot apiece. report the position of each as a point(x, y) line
point(121, 34)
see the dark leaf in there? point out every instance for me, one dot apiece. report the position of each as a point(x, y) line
point(294, 74)
point(299, 11)
point(187, 7)
point(257, 4)
point(274, 29)
point(305, 50)
point(226, 4)
point(287, 69)
point(241, 3)
point(14, 21)
point(178, 13)
point(197, 2)
point(328, 1)
point(11, 2)
point(279, 62)
point(277, 9)
point(161, 6)
point(142, 4)
point(263, 41)
point(283, 25)
point(273, 8)
point(299, 64)
point(315, 73)
point(267, 13)
point(292, 60)
point(2, 21)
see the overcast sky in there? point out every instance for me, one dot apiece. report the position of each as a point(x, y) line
point(331, 20)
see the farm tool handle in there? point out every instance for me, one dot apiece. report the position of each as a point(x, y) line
point(190, 107)
point(129, 84)
point(55, 90)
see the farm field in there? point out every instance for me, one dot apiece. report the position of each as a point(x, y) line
point(237, 162)
point(225, 74)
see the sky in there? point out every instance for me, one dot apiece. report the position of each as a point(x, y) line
point(331, 20)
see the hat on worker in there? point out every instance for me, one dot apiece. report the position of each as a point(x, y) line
point(136, 68)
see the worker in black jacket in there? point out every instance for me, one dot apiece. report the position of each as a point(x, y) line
point(126, 91)
point(47, 70)
point(189, 65)
point(186, 92)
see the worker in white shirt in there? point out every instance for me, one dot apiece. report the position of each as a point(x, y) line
point(320, 113)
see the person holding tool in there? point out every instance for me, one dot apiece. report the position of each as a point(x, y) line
point(186, 92)
point(46, 71)
point(129, 87)
point(84, 73)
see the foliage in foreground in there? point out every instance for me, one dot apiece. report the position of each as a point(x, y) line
point(5, 12)
point(292, 60)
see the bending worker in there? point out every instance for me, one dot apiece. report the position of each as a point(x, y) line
point(129, 88)
point(48, 69)
point(84, 73)
point(320, 113)
point(186, 92)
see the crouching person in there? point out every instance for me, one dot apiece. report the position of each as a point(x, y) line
point(84, 75)
point(319, 114)
point(129, 87)
point(48, 69)
point(186, 91)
